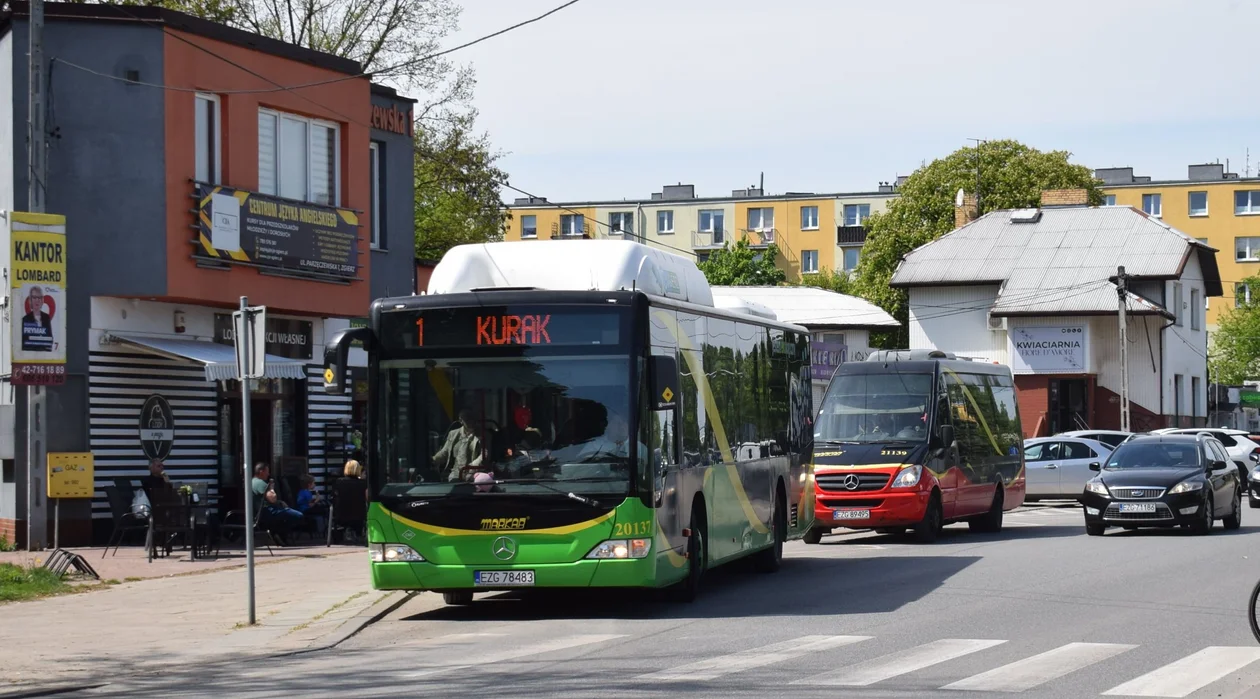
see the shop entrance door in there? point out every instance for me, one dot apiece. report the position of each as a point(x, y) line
point(1068, 405)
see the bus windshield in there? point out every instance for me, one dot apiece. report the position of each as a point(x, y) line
point(875, 408)
point(521, 425)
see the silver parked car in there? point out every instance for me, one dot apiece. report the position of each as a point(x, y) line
point(1110, 438)
point(1057, 468)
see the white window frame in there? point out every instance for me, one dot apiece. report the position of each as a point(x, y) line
point(1194, 310)
point(579, 227)
point(1179, 383)
point(1252, 207)
point(807, 268)
point(844, 254)
point(1242, 294)
point(525, 235)
point(279, 116)
point(762, 218)
point(1190, 203)
point(1109, 200)
point(809, 218)
point(717, 231)
point(1158, 198)
point(374, 175)
point(617, 223)
point(1252, 253)
point(1178, 304)
point(1196, 385)
point(661, 216)
point(216, 133)
point(860, 217)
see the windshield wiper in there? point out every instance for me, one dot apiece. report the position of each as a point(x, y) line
point(834, 441)
point(569, 494)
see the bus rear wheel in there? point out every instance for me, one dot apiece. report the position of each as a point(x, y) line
point(770, 559)
point(458, 597)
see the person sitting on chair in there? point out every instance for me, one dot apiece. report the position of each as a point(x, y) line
point(276, 516)
point(462, 448)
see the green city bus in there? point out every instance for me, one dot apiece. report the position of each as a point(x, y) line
point(555, 414)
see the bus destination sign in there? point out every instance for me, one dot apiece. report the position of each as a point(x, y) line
point(499, 326)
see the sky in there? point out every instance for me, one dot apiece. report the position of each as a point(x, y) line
point(611, 99)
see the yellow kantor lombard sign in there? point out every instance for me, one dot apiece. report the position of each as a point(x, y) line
point(37, 259)
point(70, 474)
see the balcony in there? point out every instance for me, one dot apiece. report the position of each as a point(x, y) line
point(850, 235)
point(709, 240)
point(758, 237)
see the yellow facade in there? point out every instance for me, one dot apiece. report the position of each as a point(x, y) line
point(1220, 227)
point(799, 240)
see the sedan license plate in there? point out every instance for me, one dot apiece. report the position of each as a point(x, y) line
point(851, 514)
point(1137, 507)
point(505, 578)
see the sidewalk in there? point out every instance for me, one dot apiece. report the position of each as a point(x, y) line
point(301, 603)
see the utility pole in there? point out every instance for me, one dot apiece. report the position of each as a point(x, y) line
point(1122, 288)
point(37, 176)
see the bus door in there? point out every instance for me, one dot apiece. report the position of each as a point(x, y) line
point(945, 466)
point(660, 433)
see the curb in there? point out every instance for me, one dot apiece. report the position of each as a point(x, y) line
point(47, 691)
point(379, 610)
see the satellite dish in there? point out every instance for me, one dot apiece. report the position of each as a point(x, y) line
point(958, 199)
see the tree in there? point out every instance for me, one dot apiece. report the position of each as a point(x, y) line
point(839, 282)
point(741, 265)
point(1235, 355)
point(457, 191)
point(1011, 176)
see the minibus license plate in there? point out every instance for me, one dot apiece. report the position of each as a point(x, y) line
point(496, 578)
point(852, 514)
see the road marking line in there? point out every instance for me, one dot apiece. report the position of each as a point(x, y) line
point(487, 660)
point(713, 668)
point(1189, 674)
point(900, 663)
point(1039, 669)
point(451, 637)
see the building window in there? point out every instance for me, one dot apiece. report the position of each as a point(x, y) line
point(1247, 202)
point(209, 147)
point(713, 221)
point(1242, 295)
point(1247, 249)
point(1195, 401)
point(1198, 204)
point(1178, 406)
point(809, 261)
point(572, 224)
point(809, 218)
point(298, 158)
point(375, 178)
point(1153, 204)
point(529, 226)
point(621, 222)
point(761, 220)
point(856, 214)
point(665, 222)
point(1109, 200)
point(1177, 304)
point(851, 256)
point(1194, 309)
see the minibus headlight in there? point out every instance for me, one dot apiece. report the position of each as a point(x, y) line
point(908, 477)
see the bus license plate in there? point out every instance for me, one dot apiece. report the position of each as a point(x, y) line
point(851, 514)
point(1137, 507)
point(496, 578)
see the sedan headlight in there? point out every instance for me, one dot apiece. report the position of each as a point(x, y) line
point(621, 548)
point(394, 553)
point(1097, 487)
point(908, 477)
point(1186, 487)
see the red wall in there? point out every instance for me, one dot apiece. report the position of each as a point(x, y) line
point(1033, 394)
point(424, 270)
point(347, 102)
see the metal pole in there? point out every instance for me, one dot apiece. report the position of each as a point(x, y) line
point(36, 512)
point(242, 336)
point(57, 523)
point(1122, 286)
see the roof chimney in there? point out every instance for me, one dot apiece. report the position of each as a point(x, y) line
point(1064, 197)
point(965, 212)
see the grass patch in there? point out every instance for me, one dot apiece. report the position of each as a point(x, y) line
point(22, 583)
point(132, 579)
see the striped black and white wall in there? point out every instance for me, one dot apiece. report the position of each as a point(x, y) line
point(321, 409)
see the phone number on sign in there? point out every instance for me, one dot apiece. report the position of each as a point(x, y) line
point(39, 374)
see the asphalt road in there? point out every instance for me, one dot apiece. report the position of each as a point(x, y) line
point(1040, 610)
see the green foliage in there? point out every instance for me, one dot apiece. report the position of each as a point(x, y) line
point(741, 265)
point(22, 583)
point(1235, 355)
point(1012, 176)
point(839, 282)
point(6, 545)
point(458, 189)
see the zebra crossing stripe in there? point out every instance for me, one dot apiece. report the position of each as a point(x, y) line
point(486, 661)
point(901, 663)
point(713, 668)
point(1189, 674)
point(1039, 669)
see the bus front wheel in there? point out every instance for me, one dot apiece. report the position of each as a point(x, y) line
point(689, 588)
point(458, 597)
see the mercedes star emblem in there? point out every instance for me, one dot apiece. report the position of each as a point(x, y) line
point(850, 482)
point(503, 548)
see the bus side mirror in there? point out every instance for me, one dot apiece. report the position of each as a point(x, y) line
point(663, 378)
point(946, 433)
point(337, 353)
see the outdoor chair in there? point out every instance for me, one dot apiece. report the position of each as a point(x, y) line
point(169, 517)
point(347, 513)
point(125, 487)
point(124, 520)
point(234, 521)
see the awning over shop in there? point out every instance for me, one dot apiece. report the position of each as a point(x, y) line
point(219, 360)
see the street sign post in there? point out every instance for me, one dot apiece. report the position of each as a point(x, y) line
point(250, 326)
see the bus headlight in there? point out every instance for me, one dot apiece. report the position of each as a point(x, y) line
point(908, 477)
point(394, 553)
point(622, 548)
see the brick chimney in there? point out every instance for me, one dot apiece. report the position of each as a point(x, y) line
point(1064, 197)
point(967, 212)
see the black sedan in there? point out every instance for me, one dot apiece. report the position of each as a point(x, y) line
point(1164, 481)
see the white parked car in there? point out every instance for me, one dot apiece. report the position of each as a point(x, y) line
point(1112, 438)
point(1238, 444)
point(1057, 468)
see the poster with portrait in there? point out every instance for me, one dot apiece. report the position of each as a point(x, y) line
point(38, 298)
